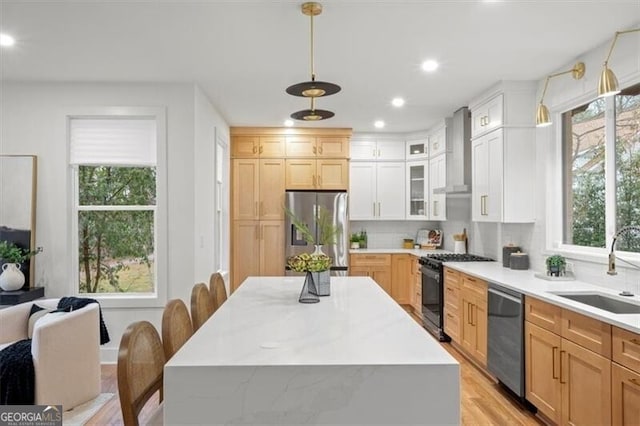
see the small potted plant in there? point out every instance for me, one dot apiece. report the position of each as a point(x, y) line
point(355, 241)
point(556, 265)
point(12, 259)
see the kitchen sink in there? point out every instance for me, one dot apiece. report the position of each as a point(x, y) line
point(603, 301)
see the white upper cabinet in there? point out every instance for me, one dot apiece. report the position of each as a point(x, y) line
point(417, 149)
point(376, 191)
point(377, 150)
point(438, 142)
point(417, 182)
point(486, 116)
point(503, 154)
point(437, 179)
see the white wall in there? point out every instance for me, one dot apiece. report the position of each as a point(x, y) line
point(33, 121)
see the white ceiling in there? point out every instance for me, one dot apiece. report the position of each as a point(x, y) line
point(245, 53)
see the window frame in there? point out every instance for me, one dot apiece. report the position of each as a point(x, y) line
point(157, 298)
point(554, 194)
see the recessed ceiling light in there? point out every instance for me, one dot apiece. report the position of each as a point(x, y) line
point(397, 102)
point(379, 124)
point(288, 123)
point(6, 40)
point(430, 65)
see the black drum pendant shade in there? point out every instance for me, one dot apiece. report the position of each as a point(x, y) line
point(312, 88)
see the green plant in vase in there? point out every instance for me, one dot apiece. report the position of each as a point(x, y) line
point(556, 265)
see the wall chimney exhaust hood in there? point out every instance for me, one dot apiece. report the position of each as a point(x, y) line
point(459, 155)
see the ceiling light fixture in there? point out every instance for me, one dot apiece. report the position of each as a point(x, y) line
point(543, 118)
point(397, 102)
point(608, 83)
point(312, 89)
point(430, 65)
point(379, 124)
point(6, 40)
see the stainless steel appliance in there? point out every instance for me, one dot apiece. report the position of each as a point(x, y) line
point(305, 206)
point(505, 337)
point(432, 269)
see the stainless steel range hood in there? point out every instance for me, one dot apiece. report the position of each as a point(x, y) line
point(459, 155)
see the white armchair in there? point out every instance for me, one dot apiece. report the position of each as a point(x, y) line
point(65, 350)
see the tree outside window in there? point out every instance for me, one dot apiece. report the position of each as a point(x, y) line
point(585, 151)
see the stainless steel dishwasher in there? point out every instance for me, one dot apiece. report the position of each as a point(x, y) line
point(505, 337)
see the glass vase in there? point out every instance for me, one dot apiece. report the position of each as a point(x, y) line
point(309, 293)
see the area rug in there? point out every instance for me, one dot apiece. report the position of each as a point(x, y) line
point(79, 415)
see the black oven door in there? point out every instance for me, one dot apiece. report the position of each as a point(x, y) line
point(432, 298)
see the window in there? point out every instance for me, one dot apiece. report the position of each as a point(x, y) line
point(115, 186)
point(588, 184)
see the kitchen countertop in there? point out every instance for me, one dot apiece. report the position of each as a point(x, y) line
point(263, 357)
point(525, 282)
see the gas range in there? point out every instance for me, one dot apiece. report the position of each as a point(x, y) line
point(434, 261)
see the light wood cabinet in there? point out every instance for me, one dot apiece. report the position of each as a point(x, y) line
point(568, 366)
point(417, 287)
point(585, 378)
point(317, 146)
point(542, 367)
point(376, 266)
point(257, 146)
point(473, 331)
point(452, 304)
point(625, 377)
point(258, 249)
point(401, 278)
point(625, 396)
point(262, 194)
point(308, 173)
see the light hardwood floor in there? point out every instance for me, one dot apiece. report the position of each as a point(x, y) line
point(483, 401)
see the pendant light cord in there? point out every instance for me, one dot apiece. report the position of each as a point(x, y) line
point(313, 74)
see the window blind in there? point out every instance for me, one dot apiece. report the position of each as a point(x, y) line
point(125, 142)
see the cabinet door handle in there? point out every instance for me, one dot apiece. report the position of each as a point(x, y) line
point(561, 369)
point(374, 209)
point(379, 214)
point(314, 149)
point(319, 180)
point(468, 313)
point(255, 149)
point(554, 351)
point(255, 208)
point(378, 152)
point(320, 150)
point(261, 208)
point(435, 208)
point(261, 149)
point(436, 145)
point(314, 180)
point(374, 153)
point(426, 208)
point(474, 308)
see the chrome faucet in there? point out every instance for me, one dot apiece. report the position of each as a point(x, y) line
point(612, 254)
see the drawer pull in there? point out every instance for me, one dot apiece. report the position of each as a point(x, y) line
point(635, 341)
point(634, 381)
point(450, 289)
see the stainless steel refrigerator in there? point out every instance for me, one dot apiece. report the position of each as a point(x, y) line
point(305, 206)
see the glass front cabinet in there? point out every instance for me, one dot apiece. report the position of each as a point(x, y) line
point(417, 149)
point(417, 190)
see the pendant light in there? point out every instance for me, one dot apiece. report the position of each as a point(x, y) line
point(312, 89)
point(608, 83)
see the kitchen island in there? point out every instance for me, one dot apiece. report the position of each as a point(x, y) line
point(355, 357)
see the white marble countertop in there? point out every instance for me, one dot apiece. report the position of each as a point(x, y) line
point(526, 283)
point(414, 252)
point(263, 323)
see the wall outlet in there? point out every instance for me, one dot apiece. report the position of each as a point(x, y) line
point(569, 267)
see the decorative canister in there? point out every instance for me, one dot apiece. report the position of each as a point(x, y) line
point(519, 261)
point(506, 254)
